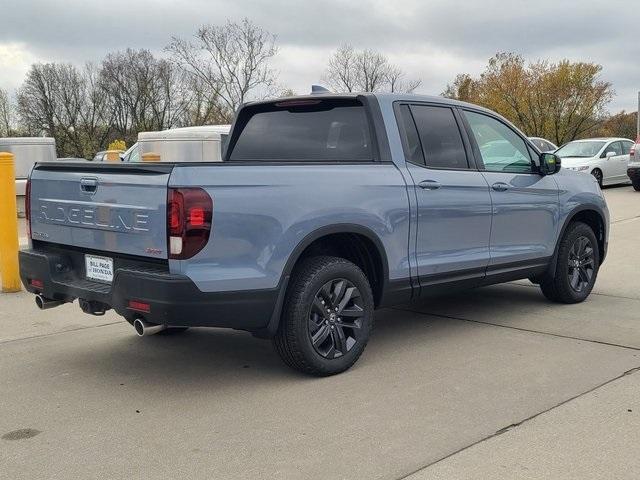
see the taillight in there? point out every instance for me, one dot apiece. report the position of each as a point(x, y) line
point(189, 220)
point(27, 206)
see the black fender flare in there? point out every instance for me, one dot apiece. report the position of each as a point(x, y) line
point(569, 218)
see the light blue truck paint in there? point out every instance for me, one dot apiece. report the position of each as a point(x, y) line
point(262, 212)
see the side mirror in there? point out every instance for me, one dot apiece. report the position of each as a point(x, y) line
point(549, 163)
point(610, 154)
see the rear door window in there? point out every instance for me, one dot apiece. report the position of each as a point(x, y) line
point(304, 130)
point(440, 137)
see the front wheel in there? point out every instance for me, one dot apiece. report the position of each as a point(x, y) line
point(328, 317)
point(576, 267)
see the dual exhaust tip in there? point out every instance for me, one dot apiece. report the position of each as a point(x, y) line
point(142, 327)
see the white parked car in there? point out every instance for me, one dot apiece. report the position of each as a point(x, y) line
point(607, 159)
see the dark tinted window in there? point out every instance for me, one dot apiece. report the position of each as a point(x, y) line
point(315, 130)
point(413, 150)
point(440, 137)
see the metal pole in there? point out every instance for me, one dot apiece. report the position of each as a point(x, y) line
point(638, 118)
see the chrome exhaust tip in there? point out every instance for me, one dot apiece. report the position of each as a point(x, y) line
point(144, 329)
point(44, 303)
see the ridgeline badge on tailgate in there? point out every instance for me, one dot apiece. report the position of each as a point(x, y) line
point(105, 217)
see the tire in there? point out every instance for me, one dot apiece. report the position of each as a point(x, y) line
point(572, 283)
point(636, 186)
point(597, 173)
point(312, 335)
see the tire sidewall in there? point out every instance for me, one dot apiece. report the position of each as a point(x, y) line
point(299, 305)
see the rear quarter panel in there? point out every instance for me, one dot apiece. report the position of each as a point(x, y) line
point(263, 211)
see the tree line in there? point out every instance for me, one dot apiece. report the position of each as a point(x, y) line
point(559, 101)
point(204, 79)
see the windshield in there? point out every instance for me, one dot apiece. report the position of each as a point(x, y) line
point(580, 149)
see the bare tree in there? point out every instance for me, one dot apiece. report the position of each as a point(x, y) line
point(144, 93)
point(232, 60)
point(61, 101)
point(341, 74)
point(350, 70)
point(6, 114)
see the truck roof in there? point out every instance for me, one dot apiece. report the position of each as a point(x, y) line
point(382, 97)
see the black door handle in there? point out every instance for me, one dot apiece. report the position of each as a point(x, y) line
point(500, 187)
point(429, 185)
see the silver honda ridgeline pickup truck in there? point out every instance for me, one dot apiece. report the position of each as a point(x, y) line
point(324, 208)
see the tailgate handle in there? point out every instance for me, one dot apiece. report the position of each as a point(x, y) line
point(88, 185)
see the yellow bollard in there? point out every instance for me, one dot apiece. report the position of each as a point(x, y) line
point(150, 157)
point(8, 225)
point(113, 155)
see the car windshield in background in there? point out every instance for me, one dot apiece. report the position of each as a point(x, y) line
point(580, 149)
point(305, 130)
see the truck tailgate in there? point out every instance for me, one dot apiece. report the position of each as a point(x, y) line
point(101, 207)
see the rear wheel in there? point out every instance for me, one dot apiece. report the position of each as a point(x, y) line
point(597, 173)
point(576, 266)
point(636, 186)
point(328, 317)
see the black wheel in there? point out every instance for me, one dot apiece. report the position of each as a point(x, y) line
point(597, 173)
point(576, 268)
point(327, 318)
point(636, 186)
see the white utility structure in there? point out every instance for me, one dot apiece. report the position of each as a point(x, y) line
point(187, 144)
point(26, 152)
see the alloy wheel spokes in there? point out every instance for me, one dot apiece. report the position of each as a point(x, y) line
point(581, 263)
point(335, 318)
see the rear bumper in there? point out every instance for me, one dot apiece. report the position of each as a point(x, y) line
point(173, 300)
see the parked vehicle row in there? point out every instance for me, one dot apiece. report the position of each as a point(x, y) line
point(324, 208)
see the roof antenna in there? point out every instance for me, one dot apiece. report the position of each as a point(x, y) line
point(317, 89)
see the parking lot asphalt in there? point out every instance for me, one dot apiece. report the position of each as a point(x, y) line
point(491, 383)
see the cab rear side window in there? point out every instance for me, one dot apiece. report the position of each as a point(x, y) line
point(309, 130)
point(432, 137)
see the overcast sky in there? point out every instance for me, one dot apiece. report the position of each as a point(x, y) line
point(431, 39)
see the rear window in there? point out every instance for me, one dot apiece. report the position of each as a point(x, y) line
point(305, 130)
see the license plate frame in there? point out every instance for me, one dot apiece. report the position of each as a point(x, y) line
point(99, 269)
